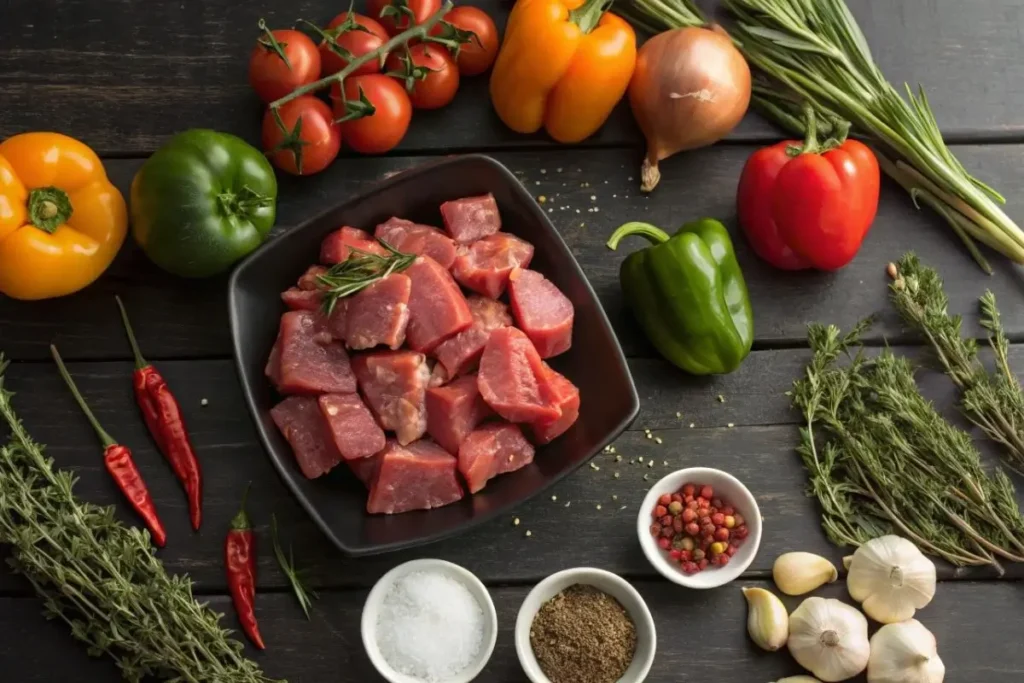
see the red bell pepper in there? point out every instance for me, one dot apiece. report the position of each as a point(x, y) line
point(809, 205)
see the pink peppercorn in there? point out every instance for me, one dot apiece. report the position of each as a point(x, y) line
point(703, 564)
point(666, 520)
point(716, 502)
point(718, 519)
point(687, 543)
point(675, 507)
point(697, 554)
point(692, 528)
point(729, 522)
point(740, 533)
point(675, 554)
point(685, 555)
point(721, 534)
point(660, 511)
point(728, 510)
point(692, 505)
point(739, 520)
point(707, 529)
point(732, 549)
point(664, 543)
point(707, 493)
point(704, 520)
point(667, 531)
point(688, 489)
point(676, 498)
point(689, 516)
point(677, 525)
point(665, 499)
point(655, 529)
point(722, 560)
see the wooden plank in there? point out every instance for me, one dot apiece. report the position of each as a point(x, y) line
point(973, 623)
point(148, 72)
point(176, 318)
point(760, 455)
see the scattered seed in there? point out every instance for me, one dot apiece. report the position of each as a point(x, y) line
point(536, 182)
point(554, 497)
point(543, 171)
point(542, 199)
point(597, 209)
point(204, 402)
point(730, 425)
point(641, 458)
point(598, 506)
point(633, 461)
point(616, 475)
point(593, 197)
point(650, 463)
point(528, 533)
point(664, 463)
point(657, 440)
point(622, 508)
point(678, 414)
point(649, 435)
point(515, 522)
point(629, 178)
point(618, 458)
point(721, 399)
point(568, 503)
point(614, 497)
point(559, 170)
point(691, 425)
point(645, 477)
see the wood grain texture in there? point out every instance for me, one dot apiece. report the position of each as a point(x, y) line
point(976, 626)
point(758, 453)
point(149, 70)
point(588, 194)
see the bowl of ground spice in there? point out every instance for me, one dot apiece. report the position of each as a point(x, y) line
point(585, 624)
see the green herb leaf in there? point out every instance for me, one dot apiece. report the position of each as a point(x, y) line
point(287, 564)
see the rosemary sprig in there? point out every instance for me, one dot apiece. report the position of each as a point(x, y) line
point(991, 400)
point(882, 460)
point(102, 578)
point(295, 576)
point(360, 270)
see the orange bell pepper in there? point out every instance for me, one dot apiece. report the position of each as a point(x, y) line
point(61, 221)
point(563, 65)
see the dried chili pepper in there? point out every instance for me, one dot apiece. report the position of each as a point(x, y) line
point(163, 417)
point(240, 563)
point(119, 463)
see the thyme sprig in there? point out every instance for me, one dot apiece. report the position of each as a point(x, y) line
point(360, 270)
point(102, 578)
point(882, 460)
point(295, 576)
point(990, 399)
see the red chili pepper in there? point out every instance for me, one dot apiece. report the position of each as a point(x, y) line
point(240, 562)
point(119, 463)
point(805, 205)
point(162, 415)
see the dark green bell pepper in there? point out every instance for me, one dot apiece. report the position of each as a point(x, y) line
point(202, 201)
point(688, 293)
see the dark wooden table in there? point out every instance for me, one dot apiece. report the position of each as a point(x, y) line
point(124, 76)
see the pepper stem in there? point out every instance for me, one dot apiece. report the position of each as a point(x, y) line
point(107, 440)
point(48, 208)
point(587, 15)
point(240, 522)
point(653, 233)
point(140, 362)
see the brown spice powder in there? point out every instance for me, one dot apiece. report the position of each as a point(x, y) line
point(583, 635)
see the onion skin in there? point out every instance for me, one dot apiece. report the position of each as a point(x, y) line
point(690, 88)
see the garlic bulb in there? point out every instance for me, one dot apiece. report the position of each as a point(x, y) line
point(829, 638)
point(767, 619)
point(799, 573)
point(904, 653)
point(891, 579)
point(798, 679)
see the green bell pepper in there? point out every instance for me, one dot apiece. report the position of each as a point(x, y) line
point(202, 201)
point(688, 293)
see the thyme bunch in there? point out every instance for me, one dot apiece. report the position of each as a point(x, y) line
point(102, 578)
point(882, 460)
point(360, 270)
point(990, 399)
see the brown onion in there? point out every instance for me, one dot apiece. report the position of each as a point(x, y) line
point(690, 88)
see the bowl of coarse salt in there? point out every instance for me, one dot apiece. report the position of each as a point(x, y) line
point(429, 621)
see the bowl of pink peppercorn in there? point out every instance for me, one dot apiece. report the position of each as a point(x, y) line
point(700, 527)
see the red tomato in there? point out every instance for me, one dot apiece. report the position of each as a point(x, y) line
point(355, 41)
point(395, 15)
point(305, 149)
point(476, 56)
point(270, 76)
point(438, 87)
point(386, 126)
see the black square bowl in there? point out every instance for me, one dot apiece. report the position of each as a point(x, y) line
point(609, 402)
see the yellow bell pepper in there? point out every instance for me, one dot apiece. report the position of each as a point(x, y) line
point(61, 220)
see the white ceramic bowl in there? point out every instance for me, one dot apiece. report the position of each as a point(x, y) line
point(613, 585)
point(728, 488)
point(372, 608)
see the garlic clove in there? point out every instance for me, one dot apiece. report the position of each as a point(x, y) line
point(829, 638)
point(905, 653)
point(799, 573)
point(891, 579)
point(798, 679)
point(767, 619)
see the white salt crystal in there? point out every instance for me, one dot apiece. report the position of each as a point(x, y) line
point(430, 626)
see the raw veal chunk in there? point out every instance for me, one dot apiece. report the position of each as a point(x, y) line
point(413, 238)
point(471, 218)
point(306, 296)
point(394, 384)
point(356, 433)
point(419, 476)
point(541, 311)
point(513, 380)
point(453, 411)
point(338, 246)
point(302, 424)
point(437, 308)
point(492, 450)
point(484, 266)
point(567, 397)
point(461, 353)
point(308, 361)
point(379, 314)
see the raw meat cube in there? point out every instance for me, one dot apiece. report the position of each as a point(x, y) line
point(438, 376)
point(541, 311)
point(356, 434)
point(453, 411)
point(302, 424)
point(567, 396)
point(413, 238)
point(493, 449)
point(379, 313)
point(484, 266)
point(273, 367)
point(365, 469)
point(310, 280)
point(461, 353)
point(337, 322)
point(437, 307)
point(513, 381)
point(309, 362)
point(337, 246)
point(471, 218)
point(394, 384)
point(301, 299)
point(419, 476)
